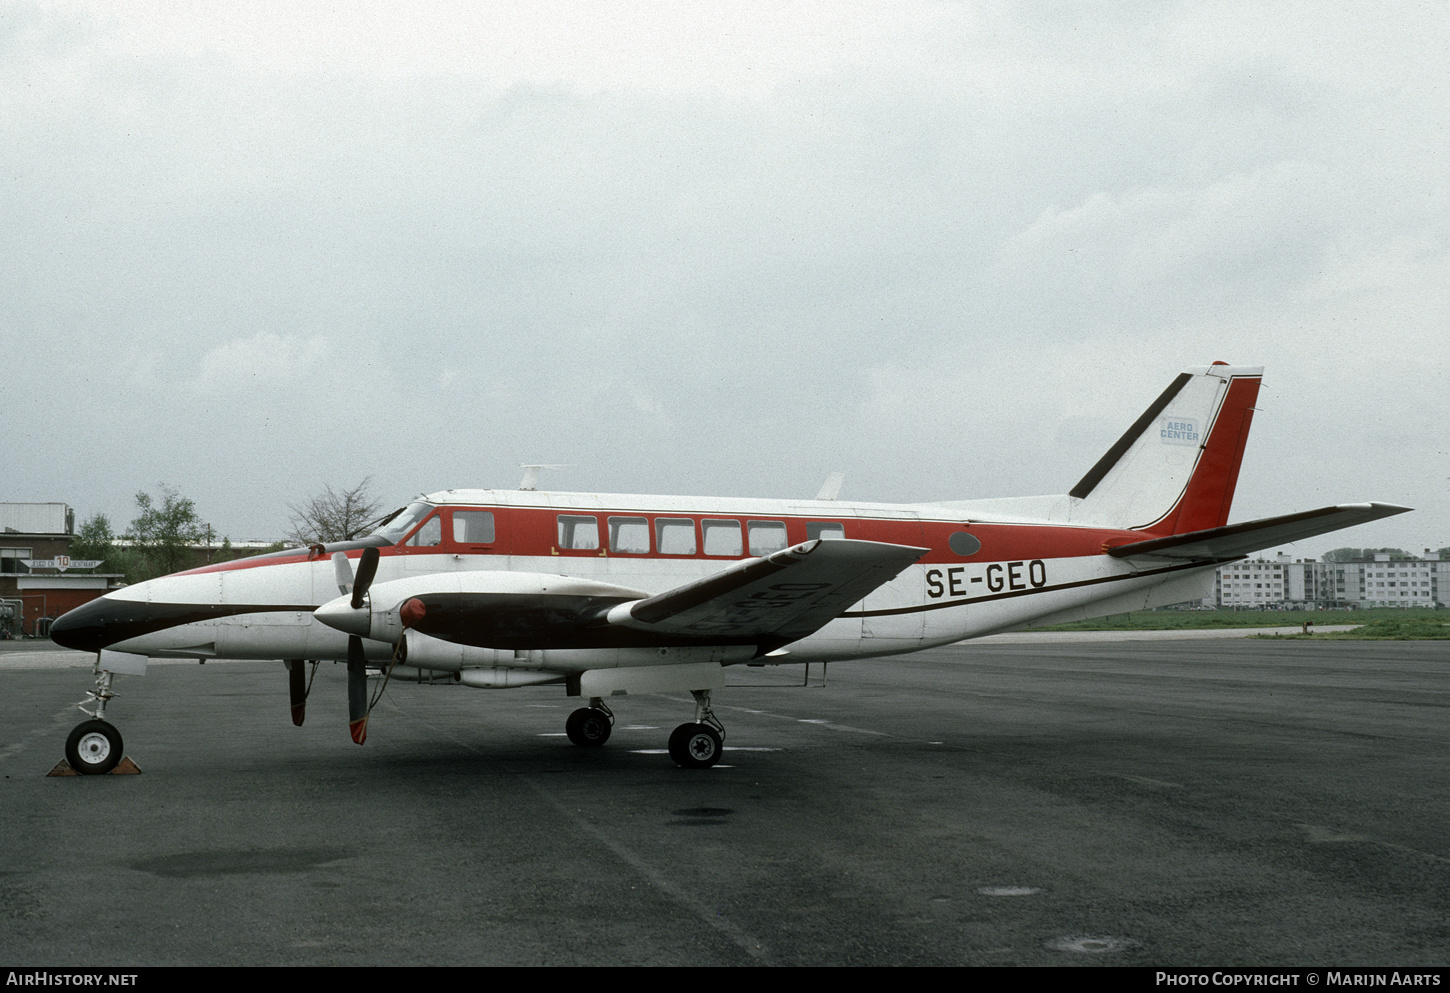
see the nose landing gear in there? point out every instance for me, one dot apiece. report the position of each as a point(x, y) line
point(94, 746)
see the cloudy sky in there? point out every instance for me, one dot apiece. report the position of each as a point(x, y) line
point(949, 249)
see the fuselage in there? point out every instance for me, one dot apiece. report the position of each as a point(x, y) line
point(978, 576)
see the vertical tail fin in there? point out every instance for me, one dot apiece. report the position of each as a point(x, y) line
point(1176, 468)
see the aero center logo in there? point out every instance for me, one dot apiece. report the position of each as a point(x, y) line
point(1178, 431)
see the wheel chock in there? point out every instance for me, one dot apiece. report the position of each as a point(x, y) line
point(125, 767)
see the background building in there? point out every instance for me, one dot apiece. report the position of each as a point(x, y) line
point(37, 580)
point(1308, 584)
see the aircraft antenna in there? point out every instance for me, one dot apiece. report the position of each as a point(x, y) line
point(531, 474)
point(831, 488)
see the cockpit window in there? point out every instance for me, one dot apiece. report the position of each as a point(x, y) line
point(395, 529)
point(430, 534)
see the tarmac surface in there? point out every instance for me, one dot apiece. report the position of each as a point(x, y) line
point(1086, 802)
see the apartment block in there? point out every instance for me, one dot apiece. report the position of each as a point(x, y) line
point(1299, 584)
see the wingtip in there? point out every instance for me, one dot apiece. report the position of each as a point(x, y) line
point(1376, 507)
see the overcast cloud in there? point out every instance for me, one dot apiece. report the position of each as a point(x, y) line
point(949, 249)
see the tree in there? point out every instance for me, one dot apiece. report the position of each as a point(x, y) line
point(226, 552)
point(333, 516)
point(95, 540)
point(160, 534)
point(1362, 554)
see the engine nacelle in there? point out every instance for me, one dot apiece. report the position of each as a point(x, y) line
point(433, 653)
point(383, 617)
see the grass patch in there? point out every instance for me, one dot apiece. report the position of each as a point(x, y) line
point(1181, 620)
point(1386, 630)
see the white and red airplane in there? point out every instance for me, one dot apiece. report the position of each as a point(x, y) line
point(613, 594)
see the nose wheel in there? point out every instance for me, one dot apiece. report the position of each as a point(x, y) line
point(93, 748)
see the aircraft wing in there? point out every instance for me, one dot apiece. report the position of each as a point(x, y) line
point(780, 598)
point(1236, 540)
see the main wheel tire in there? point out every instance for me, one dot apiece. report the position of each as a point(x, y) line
point(93, 748)
point(588, 727)
point(696, 746)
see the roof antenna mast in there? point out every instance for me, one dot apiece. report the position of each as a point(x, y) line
point(831, 488)
point(531, 474)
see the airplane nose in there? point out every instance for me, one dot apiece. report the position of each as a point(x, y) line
point(84, 629)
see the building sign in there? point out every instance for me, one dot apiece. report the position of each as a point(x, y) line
point(61, 562)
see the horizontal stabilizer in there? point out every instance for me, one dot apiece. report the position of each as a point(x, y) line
point(778, 598)
point(1237, 540)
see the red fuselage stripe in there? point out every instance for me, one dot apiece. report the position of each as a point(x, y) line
point(532, 532)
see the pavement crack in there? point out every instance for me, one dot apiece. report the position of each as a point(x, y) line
point(1320, 835)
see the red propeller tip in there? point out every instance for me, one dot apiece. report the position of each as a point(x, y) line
point(359, 729)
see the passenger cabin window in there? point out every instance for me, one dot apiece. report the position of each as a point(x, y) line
point(766, 537)
point(629, 535)
point(473, 527)
point(825, 530)
point(722, 537)
point(578, 532)
point(430, 534)
point(674, 536)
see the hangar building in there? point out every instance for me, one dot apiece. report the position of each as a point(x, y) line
point(38, 579)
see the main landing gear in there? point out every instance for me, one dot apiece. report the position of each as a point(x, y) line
point(589, 727)
point(696, 745)
point(94, 746)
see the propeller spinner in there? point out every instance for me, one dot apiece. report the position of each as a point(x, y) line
point(352, 616)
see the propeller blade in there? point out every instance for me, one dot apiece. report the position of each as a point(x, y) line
point(357, 690)
point(342, 571)
point(367, 568)
point(297, 689)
